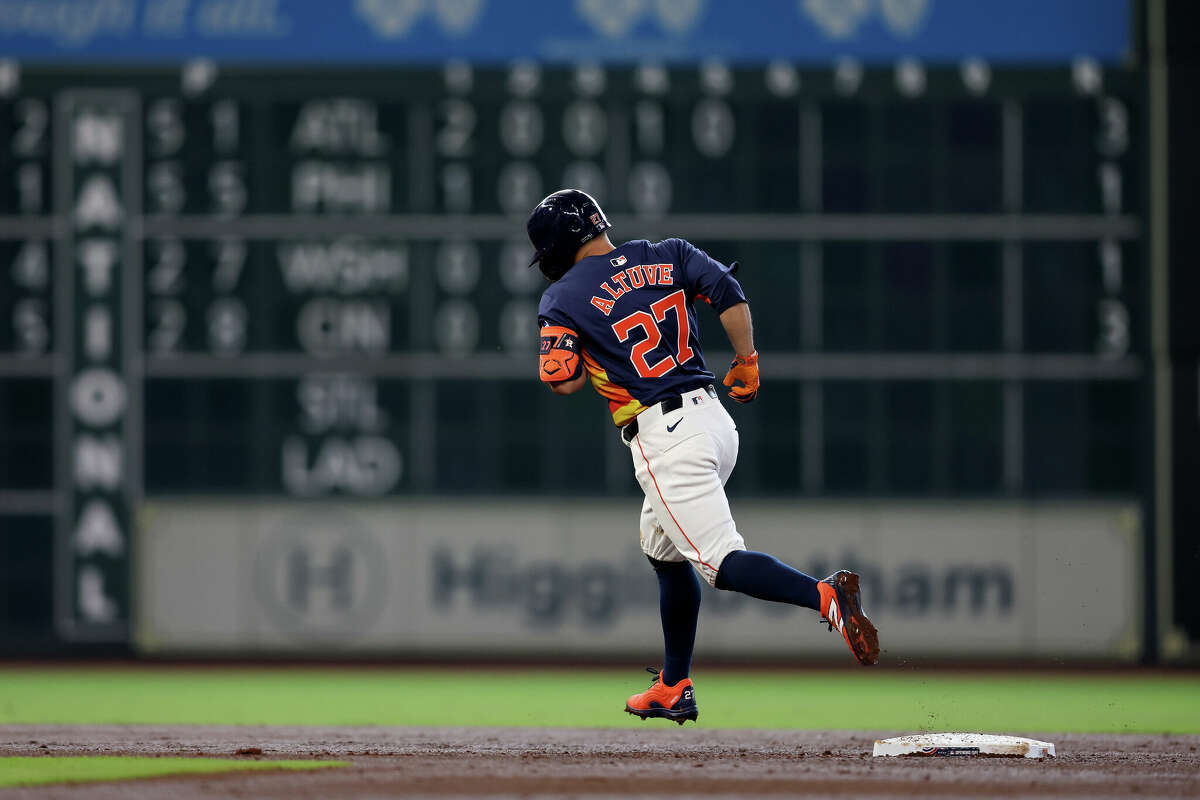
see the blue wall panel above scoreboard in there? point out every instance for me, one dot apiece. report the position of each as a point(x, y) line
point(412, 31)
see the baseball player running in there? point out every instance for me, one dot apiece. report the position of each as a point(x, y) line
point(624, 316)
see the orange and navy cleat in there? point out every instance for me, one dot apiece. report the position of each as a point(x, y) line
point(676, 702)
point(841, 608)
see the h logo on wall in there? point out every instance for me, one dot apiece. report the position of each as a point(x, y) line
point(321, 577)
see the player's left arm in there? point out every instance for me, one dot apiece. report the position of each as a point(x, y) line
point(739, 327)
point(713, 282)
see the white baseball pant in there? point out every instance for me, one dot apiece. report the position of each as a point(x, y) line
point(682, 460)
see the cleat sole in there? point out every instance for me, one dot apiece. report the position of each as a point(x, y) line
point(665, 713)
point(860, 634)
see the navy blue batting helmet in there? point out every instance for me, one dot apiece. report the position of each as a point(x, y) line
point(561, 224)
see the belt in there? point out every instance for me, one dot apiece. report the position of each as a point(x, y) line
point(673, 403)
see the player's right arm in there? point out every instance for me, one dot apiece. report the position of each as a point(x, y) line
point(560, 352)
point(560, 359)
point(569, 387)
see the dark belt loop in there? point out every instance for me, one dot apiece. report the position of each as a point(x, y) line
point(671, 404)
point(630, 429)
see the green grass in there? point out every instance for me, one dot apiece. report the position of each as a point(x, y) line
point(850, 699)
point(35, 771)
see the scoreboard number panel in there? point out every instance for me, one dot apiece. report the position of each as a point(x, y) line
point(321, 434)
point(340, 155)
point(269, 282)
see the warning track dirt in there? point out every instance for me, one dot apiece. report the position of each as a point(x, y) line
point(651, 760)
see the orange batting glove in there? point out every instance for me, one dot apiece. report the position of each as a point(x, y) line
point(744, 370)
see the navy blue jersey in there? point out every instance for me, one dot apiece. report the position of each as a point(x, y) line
point(634, 312)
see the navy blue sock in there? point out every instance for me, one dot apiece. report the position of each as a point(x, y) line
point(679, 607)
point(767, 578)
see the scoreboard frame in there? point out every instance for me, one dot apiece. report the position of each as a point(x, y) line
point(85, 458)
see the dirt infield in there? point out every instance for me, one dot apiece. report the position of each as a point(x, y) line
point(652, 759)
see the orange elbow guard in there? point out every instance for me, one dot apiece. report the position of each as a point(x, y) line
point(559, 348)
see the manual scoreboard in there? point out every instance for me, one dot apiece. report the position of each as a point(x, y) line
point(313, 283)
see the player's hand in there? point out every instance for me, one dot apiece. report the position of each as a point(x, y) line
point(743, 370)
